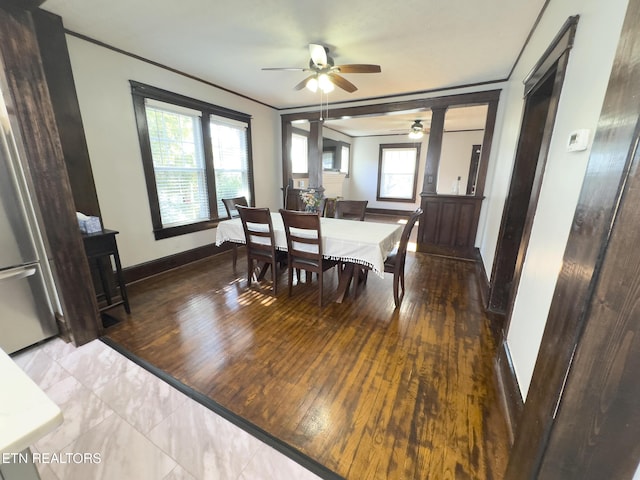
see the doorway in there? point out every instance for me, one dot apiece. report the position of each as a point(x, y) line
point(542, 95)
point(474, 163)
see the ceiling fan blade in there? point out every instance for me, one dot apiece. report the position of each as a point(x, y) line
point(358, 68)
point(318, 55)
point(343, 83)
point(303, 83)
point(287, 68)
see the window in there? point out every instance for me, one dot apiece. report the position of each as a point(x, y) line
point(329, 159)
point(299, 153)
point(345, 152)
point(335, 155)
point(178, 164)
point(230, 160)
point(194, 154)
point(398, 172)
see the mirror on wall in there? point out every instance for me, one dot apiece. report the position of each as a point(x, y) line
point(336, 158)
point(461, 148)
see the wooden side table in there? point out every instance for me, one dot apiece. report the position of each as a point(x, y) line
point(100, 248)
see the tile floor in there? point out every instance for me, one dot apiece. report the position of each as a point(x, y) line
point(141, 427)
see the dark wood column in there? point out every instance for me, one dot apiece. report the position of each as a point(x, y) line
point(434, 150)
point(34, 126)
point(315, 154)
point(57, 69)
point(487, 140)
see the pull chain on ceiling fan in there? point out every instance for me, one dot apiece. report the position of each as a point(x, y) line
point(326, 74)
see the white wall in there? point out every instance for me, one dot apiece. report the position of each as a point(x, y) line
point(580, 103)
point(362, 183)
point(102, 83)
point(455, 159)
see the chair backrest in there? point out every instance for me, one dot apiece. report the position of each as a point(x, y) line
point(304, 240)
point(404, 238)
point(230, 205)
point(292, 200)
point(351, 209)
point(328, 207)
point(258, 230)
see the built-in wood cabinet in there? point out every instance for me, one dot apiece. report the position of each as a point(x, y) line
point(449, 224)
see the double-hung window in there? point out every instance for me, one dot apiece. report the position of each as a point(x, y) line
point(194, 155)
point(398, 172)
point(300, 153)
point(230, 159)
point(345, 155)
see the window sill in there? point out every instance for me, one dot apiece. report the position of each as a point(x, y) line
point(178, 230)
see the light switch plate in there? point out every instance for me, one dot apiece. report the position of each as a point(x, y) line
point(578, 140)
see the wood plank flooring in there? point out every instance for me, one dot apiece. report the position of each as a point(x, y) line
point(367, 391)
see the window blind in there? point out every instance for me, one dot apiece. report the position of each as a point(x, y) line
point(178, 163)
point(230, 159)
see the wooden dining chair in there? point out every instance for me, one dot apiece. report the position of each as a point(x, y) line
point(351, 209)
point(230, 205)
point(260, 243)
point(304, 246)
point(329, 207)
point(396, 259)
point(232, 212)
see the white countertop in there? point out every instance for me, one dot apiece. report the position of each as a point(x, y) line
point(26, 413)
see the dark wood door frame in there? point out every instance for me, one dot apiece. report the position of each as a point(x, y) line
point(542, 95)
point(581, 418)
point(473, 169)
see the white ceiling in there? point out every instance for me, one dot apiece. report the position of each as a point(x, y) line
point(420, 44)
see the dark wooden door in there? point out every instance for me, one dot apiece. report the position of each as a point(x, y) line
point(541, 103)
point(524, 186)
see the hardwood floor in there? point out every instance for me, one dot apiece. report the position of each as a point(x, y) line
point(367, 391)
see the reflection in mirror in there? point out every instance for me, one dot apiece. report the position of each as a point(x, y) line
point(336, 153)
point(329, 162)
point(461, 147)
point(299, 153)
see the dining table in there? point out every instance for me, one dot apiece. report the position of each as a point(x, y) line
point(352, 243)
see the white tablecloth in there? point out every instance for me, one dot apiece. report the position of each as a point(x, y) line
point(365, 243)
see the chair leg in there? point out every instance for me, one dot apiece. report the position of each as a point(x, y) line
point(291, 279)
point(274, 277)
point(320, 287)
point(396, 298)
point(249, 270)
point(234, 253)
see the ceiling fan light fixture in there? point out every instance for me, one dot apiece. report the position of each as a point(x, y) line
point(325, 73)
point(312, 84)
point(416, 131)
point(325, 83)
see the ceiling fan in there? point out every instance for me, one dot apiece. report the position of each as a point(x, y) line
point(325, 72)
